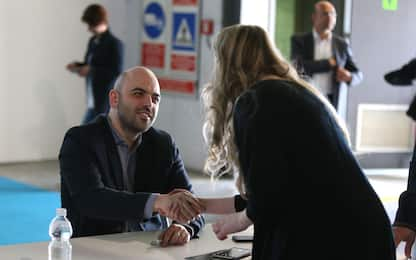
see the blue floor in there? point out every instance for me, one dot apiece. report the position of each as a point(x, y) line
point(25, 212)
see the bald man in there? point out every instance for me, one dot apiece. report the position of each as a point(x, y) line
point(326, 58)
point(119, 174)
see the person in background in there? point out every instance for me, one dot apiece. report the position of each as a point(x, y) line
point(119, 174)
point(326, 57)
point(404, 77)
point(300, 184)
point(102, 63)
point(404, 226)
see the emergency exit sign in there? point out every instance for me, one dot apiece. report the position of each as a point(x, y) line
point(390, 5)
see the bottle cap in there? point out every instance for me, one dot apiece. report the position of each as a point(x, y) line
point(61, 212)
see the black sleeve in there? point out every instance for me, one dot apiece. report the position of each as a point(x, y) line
point(403, 76)
point(351, 66)
point(81, 175)
point(240, 204)
point(260, 127)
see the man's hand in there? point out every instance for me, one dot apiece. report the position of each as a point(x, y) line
point(406, 235)
point(72, 67)
point(332, 62)
point(180, 205)
point(343, 75)
point(83, 70)
point(232, 223)
point(175, 235)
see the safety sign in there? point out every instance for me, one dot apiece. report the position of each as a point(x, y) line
point(169, 43)
point(184, 31)
point(154, 20)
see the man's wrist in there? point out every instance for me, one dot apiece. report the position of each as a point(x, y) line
point(159, 200)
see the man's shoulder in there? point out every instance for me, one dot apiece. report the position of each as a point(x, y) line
point(339, 39)
point(89, 130)
point(114, 39)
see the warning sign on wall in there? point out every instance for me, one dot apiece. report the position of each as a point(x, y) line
point(153, 55)
point(183, 62)
point(175, 85)
point(170, 43)
point(184, 30)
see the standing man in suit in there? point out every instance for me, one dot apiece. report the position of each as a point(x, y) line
point(102, 63)
point(326, 58)
point(120, 174)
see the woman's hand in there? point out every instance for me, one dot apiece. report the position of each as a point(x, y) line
point(232, 223)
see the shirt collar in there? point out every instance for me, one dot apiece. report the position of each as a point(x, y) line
point(119, 141)
point(317, 38)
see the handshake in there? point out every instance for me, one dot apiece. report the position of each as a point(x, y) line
point(180, 205)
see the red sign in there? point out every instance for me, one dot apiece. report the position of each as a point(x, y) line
point(207, 26)
point(181, 86)
point(185, 2)
point(153, 55)
point(182, 62)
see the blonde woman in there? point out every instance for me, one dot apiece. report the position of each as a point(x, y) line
point(305, 192)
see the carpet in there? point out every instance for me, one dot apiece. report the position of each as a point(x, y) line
point(25, 212)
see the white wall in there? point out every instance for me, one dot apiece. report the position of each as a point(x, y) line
point(259, 12)
point(40, 100)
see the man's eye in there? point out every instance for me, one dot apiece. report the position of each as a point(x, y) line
point(156, 99)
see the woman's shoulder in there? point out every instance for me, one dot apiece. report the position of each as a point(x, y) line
point(270, 92)
point(274, 88)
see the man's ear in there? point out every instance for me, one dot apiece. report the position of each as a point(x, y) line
point(113, 96)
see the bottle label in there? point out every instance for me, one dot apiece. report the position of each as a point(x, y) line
point(60, 252)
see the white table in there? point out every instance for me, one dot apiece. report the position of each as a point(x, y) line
point(124, 246)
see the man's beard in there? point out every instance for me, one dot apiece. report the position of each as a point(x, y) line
point(129, 122)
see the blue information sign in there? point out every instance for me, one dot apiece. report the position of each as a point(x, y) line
point(184, 31)
point(154, 20)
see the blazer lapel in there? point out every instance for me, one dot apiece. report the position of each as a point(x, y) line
point(335, 50)
point(113, 157)
point(310, 45)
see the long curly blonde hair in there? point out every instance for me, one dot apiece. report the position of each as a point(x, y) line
point(244, 54)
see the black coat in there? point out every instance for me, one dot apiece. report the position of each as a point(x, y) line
point(404, 77)
point(105, 59)
point(307, 195)
point(92, 188)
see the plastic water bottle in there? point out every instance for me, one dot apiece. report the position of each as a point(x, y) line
point(60, 231)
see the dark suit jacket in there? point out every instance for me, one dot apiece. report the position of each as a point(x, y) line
point(106, 61)
point(92, 188)
point(296, 163)
point(406, 213)
point(302, 54)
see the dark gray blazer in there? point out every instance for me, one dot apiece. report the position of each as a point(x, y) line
point(302, 55)
point(92, 188)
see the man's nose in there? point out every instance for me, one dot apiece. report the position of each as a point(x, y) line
point(148, 100)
